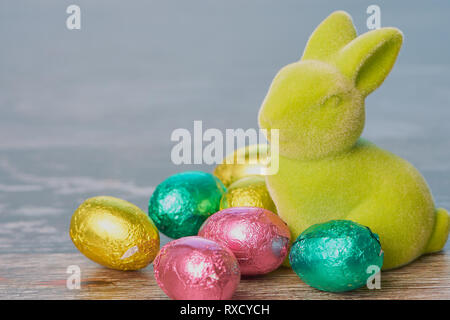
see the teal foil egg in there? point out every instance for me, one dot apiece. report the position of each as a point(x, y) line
point(182, 202)
point(336, 255)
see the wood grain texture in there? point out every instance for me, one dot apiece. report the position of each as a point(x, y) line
point(43, 276)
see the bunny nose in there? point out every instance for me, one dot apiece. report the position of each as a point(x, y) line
point(264, 123)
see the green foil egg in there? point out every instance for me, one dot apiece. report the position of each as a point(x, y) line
point(182, 202)
point(336, 255)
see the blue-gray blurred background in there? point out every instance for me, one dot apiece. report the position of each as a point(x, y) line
point(89, 112)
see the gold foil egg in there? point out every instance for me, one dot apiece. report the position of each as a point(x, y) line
point(114, 233)
point(248, 192)
point(252, 158)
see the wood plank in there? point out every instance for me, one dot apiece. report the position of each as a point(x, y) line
point(43, 276)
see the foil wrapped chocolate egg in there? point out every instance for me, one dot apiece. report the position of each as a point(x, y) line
point(114, 233)
point(249, 191)
point(247, 161)
point(258, 238)
point(194, 268)
point(182, 202)
point(336, 255)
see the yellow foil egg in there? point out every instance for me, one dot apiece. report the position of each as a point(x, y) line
point(248, 192)
point(114, 233)
point(254, 158)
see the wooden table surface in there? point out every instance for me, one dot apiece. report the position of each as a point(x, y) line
point(43, 276)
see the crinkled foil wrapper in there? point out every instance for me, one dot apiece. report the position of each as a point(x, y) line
point(335, 256)
point(230, 170)
point(258, 238)
point(114, 233)
point(182, 202)
point(194, 268)
point(248, 192)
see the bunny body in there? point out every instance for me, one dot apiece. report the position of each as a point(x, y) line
point(326, 171)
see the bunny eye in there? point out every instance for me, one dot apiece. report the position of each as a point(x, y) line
point(332, 101)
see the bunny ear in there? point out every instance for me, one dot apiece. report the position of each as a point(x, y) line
point(330, 36)
point(368, 59)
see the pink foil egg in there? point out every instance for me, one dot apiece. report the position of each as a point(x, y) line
point(194, 268)
point(258, 238)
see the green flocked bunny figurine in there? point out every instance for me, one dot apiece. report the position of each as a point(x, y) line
point(326, 171)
